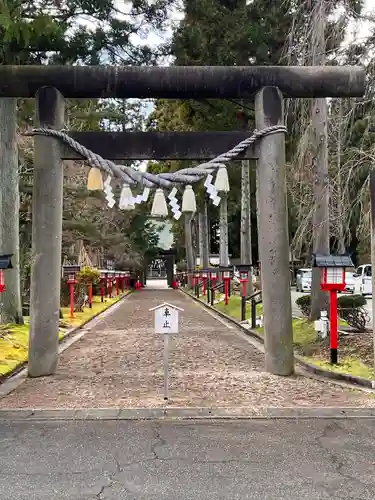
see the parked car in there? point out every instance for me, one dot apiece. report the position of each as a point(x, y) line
point(363, 280)
point(349, 280)
point(303, 280)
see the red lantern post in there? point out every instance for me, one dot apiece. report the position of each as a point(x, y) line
point(244, 270)
point(204, 277)
point(193, 279)
point(127, 279)
point(214, 275)
point(90, 294)
point(2, 281)
point(102, 285)
point(117, 277)
point(197, 276)
point(110, 283)
point(227, 273)
point(71, 282)
point(5, 263)
point(332, 273)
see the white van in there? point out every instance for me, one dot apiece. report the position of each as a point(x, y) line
point(303, 280)
point(363, 280)
point(349, 282)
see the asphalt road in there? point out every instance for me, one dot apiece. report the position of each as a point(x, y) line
point(296, 311)
point(205, 460)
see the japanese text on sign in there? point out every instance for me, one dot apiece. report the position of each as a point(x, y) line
point(166, 320)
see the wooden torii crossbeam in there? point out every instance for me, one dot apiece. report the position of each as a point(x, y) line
point(268, 85)
point(182, 82)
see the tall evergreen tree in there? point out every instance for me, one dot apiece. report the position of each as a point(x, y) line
point(59, 32)
point(224, 33)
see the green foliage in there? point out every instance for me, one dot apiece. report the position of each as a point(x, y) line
point(349, 308)
point(52, 32)
point(33, 32)
point(88, 275)
point(224, 32)
point(351, 301)
point(304, 303)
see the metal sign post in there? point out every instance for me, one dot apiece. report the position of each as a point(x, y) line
point(166, 322)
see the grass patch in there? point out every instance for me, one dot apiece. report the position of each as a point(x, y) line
point(348, 364)
point(233, 308)
point(307, 343)
point(14, 339)
point(304, 333)
point(82, 317)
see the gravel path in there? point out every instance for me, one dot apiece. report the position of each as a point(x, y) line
point(119, 364)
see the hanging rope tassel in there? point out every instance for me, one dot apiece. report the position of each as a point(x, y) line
point(126, 198)
point(95, 180)
point(189, 204)
point(159, 205)
point(222, 181)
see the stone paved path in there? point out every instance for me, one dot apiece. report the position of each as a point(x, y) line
point(119, 364)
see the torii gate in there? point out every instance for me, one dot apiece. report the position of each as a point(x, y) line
point(50, 84)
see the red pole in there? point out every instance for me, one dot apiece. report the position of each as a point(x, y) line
point(226, 282)
point(117, 286)
point(122, 284)
point(334, 337)
point(90, 295)
point(244, 288)
point(102, 290)
point(204, 286)
point(2, 281)
point(71, 289)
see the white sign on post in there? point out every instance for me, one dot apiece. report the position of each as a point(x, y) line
point(166, 323)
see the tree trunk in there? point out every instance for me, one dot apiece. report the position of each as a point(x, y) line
point(195, 238)
point(339, 202)
point(246, 257)
point(257, 197)
point(224, 254)
point(200, 236)
point(11, 311)
point(203, 236)
point(319, 298)
point(189, 245)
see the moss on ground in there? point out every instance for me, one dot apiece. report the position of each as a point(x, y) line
point(82, 317)
point(14, 339)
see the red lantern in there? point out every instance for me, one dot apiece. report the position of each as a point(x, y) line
point(332, 279)
point(244, 278)
point(5, 263)
point(214, 275)
point(227, 274)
